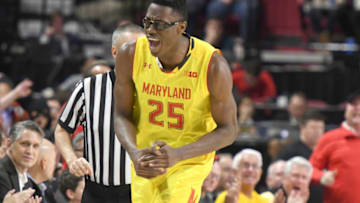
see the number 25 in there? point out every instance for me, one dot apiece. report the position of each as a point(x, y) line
point(171, 114)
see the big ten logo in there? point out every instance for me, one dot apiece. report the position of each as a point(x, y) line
point(191, 74)
point(147, 65)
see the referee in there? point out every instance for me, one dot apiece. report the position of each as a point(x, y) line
point(105, 164)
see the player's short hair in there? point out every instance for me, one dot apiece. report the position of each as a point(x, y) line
point(132, 28)
point(179, 6)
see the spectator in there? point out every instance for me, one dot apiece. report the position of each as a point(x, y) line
point(196, 12)
point(295, 184)
point(320, 10)
point(246, 124)
point(97, 67)
point(274, 144)
point(54, 105)
point(296, 109)
point(40, 113)
point(225, 163)
point(63, 44)
point(61, 50)
point(210, 184)
point(9, 95)
point(10, 110)
point(3, 145)
point(245, 13)
point(91, 67)
point(43, 170)
point(248, 163)
point(312, 127)
point(275, 174)
point(335, 157)
point(71, 187)
point(23, 152)
point(274, 178)
point(20, 197)
point(69, 82)
point(254, 82)
point(214, 33)
point(78, 144)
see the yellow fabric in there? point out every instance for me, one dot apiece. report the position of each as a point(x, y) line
point(256, 198)
point(178, 185)
point(173, 107)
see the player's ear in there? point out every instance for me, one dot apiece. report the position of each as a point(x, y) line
point(182, 27)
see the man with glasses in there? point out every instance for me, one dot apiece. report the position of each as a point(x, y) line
point(173, 106)
point(248, 165)
point(336, 157)
point(295, 183)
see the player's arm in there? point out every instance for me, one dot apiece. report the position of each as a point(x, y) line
point(124, 91)
point(223, 109)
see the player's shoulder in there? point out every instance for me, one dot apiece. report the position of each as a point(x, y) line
point(218, 65)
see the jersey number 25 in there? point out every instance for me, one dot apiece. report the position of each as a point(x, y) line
point(179, 124)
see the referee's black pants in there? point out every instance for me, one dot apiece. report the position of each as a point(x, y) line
point(97, 193)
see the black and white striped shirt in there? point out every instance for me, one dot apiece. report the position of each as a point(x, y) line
point(91, 105)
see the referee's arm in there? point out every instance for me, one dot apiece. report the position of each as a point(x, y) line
point(67, 123)
point(77, 166)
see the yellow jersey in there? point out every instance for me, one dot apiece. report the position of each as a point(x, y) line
point(173, 107)
point(256, 198)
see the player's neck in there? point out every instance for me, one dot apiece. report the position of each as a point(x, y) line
point(175, 56)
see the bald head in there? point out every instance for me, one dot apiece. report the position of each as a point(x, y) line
point(46, 149)
point(97, 67)
point(45, 166)
point(124, 34)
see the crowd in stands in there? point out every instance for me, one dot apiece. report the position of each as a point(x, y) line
point(303, 159)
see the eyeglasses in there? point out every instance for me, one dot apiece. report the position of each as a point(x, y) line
point(158, 24)
point(248, 166)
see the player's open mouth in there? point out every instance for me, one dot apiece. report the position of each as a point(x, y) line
point(153, 43)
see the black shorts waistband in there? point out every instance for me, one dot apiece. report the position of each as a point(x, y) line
point(104, 190)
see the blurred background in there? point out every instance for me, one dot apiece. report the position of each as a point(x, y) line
point(287, 56)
